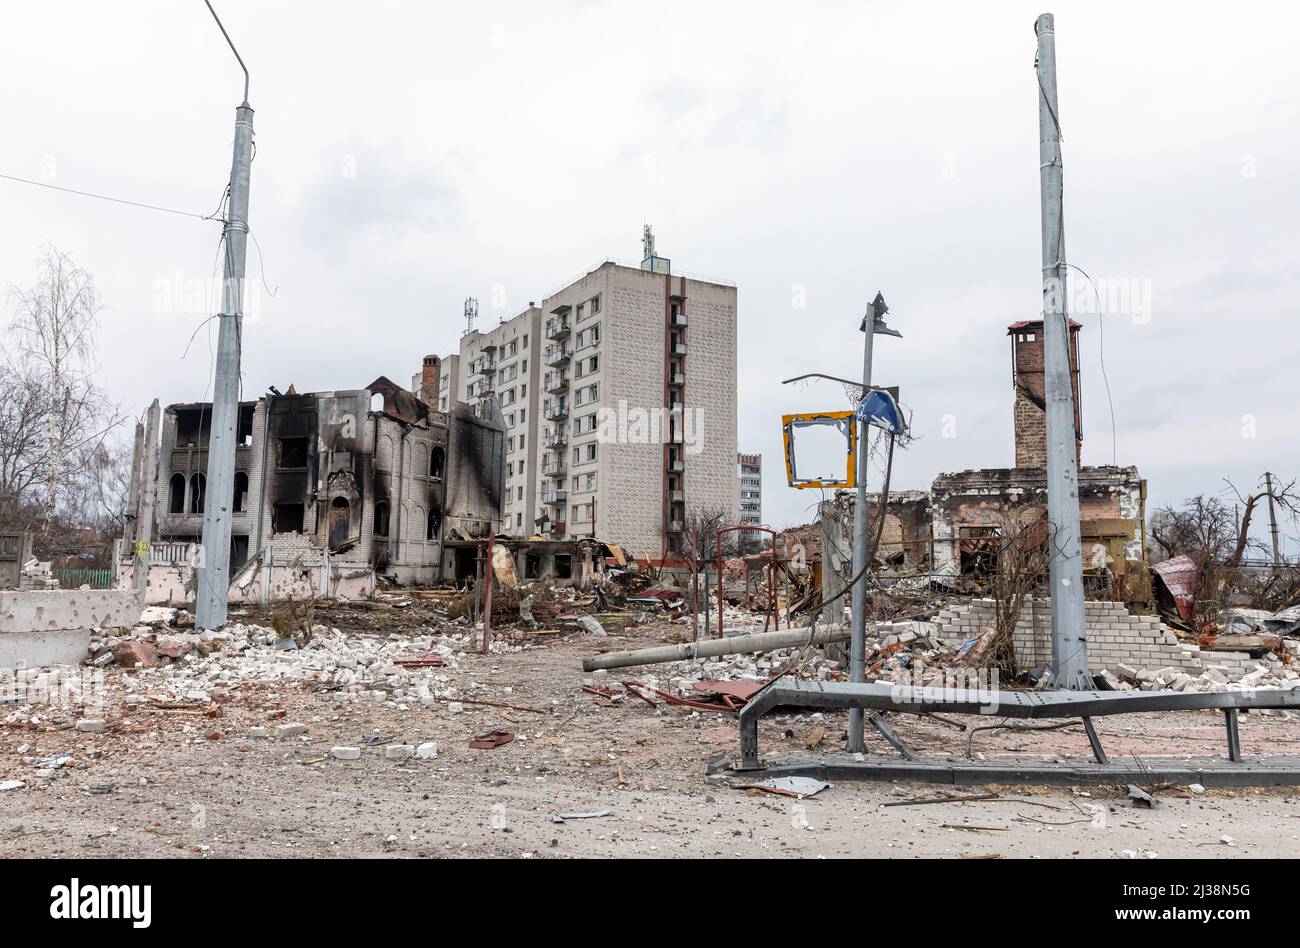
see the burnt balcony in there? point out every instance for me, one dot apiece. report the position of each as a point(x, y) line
point(557, 384)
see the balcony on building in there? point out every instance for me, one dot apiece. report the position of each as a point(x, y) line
point(558, 529)
point(679, 319)
point(553, 468)
point(674, 526)
point(555, 442)
point(677, 496)
point(679, 348)
point(558, 358)
point(558, 329)
point(557, 411)
point(557, 383)
point(557, 496)
point(677, 377)
point(676, 465)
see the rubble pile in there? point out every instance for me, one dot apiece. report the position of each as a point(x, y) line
point(401, 670)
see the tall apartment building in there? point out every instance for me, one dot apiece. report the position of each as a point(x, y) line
point(619, 395)
point(504, 363)
point(639, 419)
point(749, 473)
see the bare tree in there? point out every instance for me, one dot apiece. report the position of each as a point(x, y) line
point(1216, 538)
point(54, 433)
point(702, 526)
point(1022, 563)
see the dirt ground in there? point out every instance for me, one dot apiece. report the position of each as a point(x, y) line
point(155, 785)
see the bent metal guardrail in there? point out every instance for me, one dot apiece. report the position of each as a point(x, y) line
point(877, 696)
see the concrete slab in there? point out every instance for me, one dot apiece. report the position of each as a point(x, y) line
point(52, 627)
point(55, 609)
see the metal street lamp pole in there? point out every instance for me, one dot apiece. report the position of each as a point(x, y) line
point(872, 323)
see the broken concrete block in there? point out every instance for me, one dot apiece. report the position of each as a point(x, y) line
point(258, 732)
point(1126, 672)
point(399, 751)
point(91, 726)
point(171, 647)
point(344, 753)
point(427, 751)
point(135, 654)
point(455, 707)
point(290, 730)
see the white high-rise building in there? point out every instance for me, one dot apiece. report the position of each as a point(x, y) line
point(619, 393)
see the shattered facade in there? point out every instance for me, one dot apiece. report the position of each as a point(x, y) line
point(331, 487)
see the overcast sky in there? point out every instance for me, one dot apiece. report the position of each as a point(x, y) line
point(412, 154)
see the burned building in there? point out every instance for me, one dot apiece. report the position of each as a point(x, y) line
point(950, 531)
point(332, 489)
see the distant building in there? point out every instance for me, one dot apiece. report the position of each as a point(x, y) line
point(749, 473)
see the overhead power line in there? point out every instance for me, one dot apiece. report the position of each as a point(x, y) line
point(104, 197)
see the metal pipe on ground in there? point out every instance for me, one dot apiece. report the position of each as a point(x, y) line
point(709, 648)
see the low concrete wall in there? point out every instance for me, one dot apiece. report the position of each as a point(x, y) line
point(52, 627)
point(174, 585)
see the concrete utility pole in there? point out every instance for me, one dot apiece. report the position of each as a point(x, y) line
point(1272, 522)
point(214, 568)
point(1069, 640)
point(147, 497)
point(129, 531)
point(872, 323)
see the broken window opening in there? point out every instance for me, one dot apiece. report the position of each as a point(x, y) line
point(381, 519)
point(340, 521)
point(437, 463)
point(244, 433)
point(293, 453)
point(563, 566)
point(287, 518)
point(241, 492)
point(176, 494)
point(434, 523)
point(198, 491)
point(193, 426)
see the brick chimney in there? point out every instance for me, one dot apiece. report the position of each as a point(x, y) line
point(429, 380)
point(1030, 411)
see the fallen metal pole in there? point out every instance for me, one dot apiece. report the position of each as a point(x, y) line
point(709, 648)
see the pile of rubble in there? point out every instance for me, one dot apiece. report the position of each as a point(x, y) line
point(398, 670)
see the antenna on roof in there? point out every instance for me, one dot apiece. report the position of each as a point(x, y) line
point(471, 314)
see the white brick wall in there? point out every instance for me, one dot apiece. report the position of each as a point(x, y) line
point(1114, 636)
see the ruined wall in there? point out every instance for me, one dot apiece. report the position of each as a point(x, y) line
point(185, 452)
point(906, 531)
point(476, 469)
point(1111, 501)
point(1114, 635)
